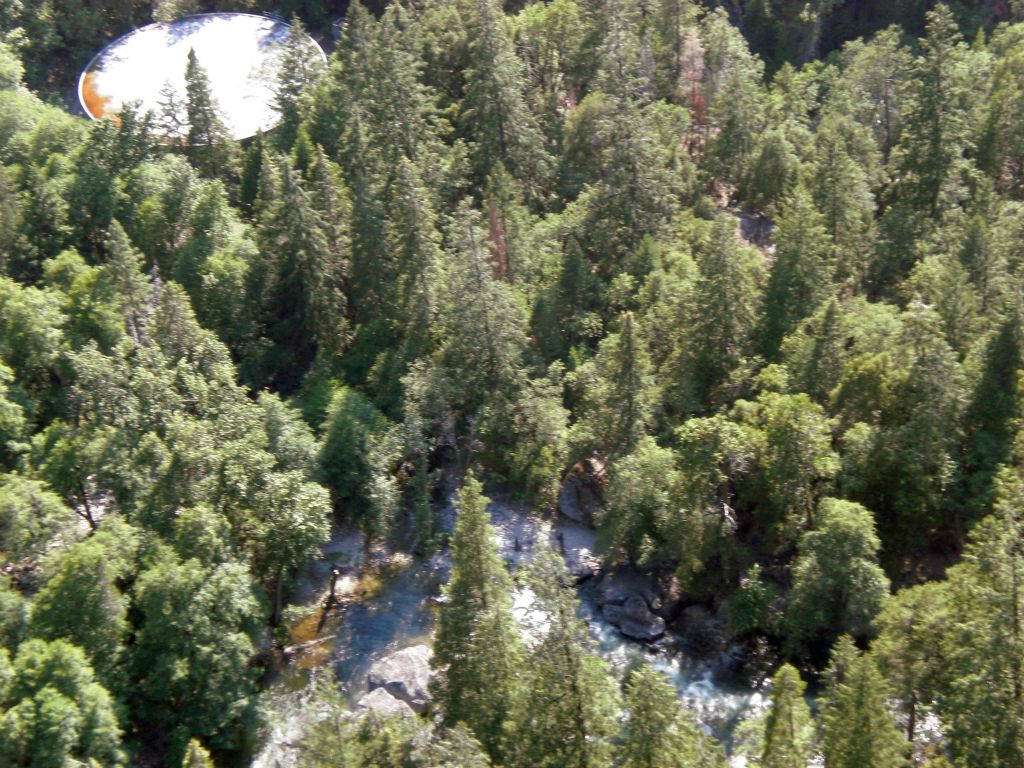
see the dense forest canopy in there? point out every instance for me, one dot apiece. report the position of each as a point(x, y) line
point(754, 272)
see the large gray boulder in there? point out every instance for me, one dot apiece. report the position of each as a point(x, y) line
point(404, 675)
point(634, 619)
point(383, 703)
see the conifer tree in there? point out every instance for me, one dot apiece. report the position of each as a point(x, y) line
point(982, 699)
point(567, 713)
point(910, 648)
point(801, 277)
point(938, 118)
point(858, 728)
point(729, 299)
point(300, 64)
point(788, 729)
point(658, 732)
point(482, 319)
point(209, 145)
point(495, 116)
point(619, 393)
point(478, 653)
point(303, 300)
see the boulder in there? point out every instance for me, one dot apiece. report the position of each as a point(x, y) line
point(634, 619)
point(383, 703)
point(405, 676)
point(581, 496)
point(619, 585)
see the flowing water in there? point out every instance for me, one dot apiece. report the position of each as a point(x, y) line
point(396, 608)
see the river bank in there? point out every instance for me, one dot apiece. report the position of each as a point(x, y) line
point(393, 607)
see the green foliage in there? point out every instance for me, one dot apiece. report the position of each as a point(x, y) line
point(658, 732)
point(752, 607)
point(32, 519)
point(478, 653)
point(858, 728)
point(788, 731)
point(353, 458)
point(197, 631)
point(768, 275)
point(641, 520)
point(53, 711)
point(80, 601)
point(619, 394)
point(567, 713)
point(982, 672)
point(795, 459)
point(838, 585)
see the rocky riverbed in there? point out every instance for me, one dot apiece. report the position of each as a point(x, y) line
point(376, 641)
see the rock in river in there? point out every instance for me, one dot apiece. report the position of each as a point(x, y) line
point(405, 676)
point(634, 619)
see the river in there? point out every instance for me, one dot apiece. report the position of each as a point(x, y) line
point(383, 614)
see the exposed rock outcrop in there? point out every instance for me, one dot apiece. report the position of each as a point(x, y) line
point(383, 703)
point(581, 497)
point(405, 676)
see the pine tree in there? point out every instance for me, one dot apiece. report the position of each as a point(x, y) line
point(841, 184)
point(299, 65)
point(788, 729)
point(482, 320)
point(495, 116)
point(303, 302)
point(567, 713)
point(728, 297)
point(124, 270)
point(619, 393)
point(937, 123)
point(658, 732)
point(478, 653)
point(982, 698)
point(910, 647)
point(858, 728)
point(801, 277)
point(209, 145)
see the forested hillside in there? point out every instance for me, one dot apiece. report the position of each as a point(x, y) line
point(755, 279)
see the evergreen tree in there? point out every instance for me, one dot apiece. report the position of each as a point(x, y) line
point(494, 115)
point(801, 277)
point(658, 732)
point(981, 699)
point(299, 66)
point(938, 118)
point(729, 297)
point(567, 713)
point(478, 651)
point(858, 728)
point(52, 710)
point(619, 393)
point(209, 145)
point(303, 300)
point(788, 730)
point(910, 648)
